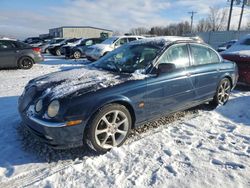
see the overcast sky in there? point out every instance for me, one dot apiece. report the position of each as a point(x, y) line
point(22, 18)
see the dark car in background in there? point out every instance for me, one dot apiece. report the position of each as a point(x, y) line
point(240, 54)
point(54, 49)
point(226, 45)
point(129, 86)
point(44, 47)
point(34, 41)
point(15, 54)
point(70, 45)
point(79, 50)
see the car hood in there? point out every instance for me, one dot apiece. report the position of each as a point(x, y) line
point(76, 82)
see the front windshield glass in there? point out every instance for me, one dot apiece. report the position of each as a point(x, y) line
point(129, 58)
point(110, 40)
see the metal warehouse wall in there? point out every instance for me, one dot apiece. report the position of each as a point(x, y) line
point(83, 32)
point(218, 37)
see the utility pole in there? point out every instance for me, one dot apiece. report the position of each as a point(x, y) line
point(230, 15)
point(192, 19)
point(241, 14)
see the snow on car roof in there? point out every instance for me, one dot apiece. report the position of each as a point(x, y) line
point(163, 39)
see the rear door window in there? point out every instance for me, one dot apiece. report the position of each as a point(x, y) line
point(177, 55)
point(203, 55)
point(122, 41)
point(7, 45)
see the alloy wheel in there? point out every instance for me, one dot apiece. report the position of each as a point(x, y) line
point(112, 129)
point(26, 63)
point(224, 91)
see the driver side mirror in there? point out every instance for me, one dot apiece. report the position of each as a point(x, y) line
point(165, 68)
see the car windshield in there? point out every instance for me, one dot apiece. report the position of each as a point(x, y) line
point(129, 58)
point(110, 40)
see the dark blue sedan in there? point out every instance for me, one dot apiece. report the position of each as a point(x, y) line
point(135, 83)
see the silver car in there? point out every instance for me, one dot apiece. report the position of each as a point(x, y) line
point(95, 52)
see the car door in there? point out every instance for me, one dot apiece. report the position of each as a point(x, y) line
point(205, 70)
point(170, 91)
point(8, 54)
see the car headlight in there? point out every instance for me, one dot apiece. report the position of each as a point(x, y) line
point(53, 108)
point(39, 105)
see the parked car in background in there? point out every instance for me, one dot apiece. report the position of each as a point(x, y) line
point(70, 45)
point(131, 85)
point(240, 53)
point(44, 47)
point(226, 45)
point(79, 50)
point(54, 49)
point(18, 54)
point(34, 41)
point(95, 52)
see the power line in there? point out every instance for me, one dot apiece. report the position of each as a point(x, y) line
point(192, 19)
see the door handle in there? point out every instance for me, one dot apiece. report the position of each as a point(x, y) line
point(188, 74)
point(17, 51)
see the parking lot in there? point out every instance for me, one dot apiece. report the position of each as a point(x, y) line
point(190, 150)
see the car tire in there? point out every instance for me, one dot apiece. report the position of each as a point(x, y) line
point(58, 52)
point(222, 93)
point(109, 128)
point(25, 63)
point(77, 54)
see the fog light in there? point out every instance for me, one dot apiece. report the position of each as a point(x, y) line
point(72, 123)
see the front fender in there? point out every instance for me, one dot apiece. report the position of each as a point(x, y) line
point(105, 101)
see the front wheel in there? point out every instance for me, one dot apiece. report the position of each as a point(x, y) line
point(109, 128)
point(222, 94)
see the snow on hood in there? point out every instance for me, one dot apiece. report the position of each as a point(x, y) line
point(83, 80)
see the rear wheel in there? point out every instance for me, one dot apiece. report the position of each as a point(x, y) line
point(109, 128)
point(25, 63)
point(222, 94)
point(77, 54)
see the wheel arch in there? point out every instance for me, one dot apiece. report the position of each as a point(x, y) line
point(122, 101)
point(24, 56)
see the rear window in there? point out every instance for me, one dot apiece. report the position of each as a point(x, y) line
point(22, 45)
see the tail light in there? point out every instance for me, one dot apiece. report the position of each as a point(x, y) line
point(37, 50)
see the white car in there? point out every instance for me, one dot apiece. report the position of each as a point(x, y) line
point(95, 52)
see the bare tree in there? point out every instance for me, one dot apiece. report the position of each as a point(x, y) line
point(217, 19)
point(139, 31)
point(116, 33)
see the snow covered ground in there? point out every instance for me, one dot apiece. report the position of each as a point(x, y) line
point(200, 149)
